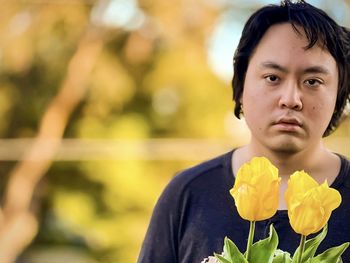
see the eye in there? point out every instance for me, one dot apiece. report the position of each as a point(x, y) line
point(313, 82)
point(271, 78)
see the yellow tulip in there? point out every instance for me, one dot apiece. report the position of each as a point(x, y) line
point(309, 204)
point(256, 189)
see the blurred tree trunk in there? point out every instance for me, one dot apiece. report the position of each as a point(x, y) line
point(18, 224)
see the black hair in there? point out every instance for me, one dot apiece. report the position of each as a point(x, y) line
point(318, 28)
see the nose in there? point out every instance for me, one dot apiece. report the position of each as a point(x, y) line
point(291, 97)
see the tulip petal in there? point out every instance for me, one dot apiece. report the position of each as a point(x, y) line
point(309, 204)
point(256, 189)
point(330, 197)
point(298, 184)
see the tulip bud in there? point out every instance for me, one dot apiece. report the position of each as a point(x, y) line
point(256, 189)
point(309, 204)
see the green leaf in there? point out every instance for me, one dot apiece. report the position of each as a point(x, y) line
point(221, 258)
point(264, 250)
point(232, 253)
point(311, 246)
point(281, 257)
point(331, 255)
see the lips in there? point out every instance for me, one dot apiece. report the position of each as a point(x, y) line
point(288, 124)
point(289, 121)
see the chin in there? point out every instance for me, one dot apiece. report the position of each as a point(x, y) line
point(286, 147)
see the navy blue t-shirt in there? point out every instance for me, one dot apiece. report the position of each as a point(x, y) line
point(196, 211)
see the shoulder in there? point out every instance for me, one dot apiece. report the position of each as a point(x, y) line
point(218, 168)
point(344, 173)
point(179, 212)
point(342, 181)
point(196, 181)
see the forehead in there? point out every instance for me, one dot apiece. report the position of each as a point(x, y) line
point(282, 44)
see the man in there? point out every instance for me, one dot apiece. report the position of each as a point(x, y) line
point(291, 83)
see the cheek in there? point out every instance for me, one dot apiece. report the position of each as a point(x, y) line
point(253, 94)
point(321, 112)
point(255, 111)
point(257, 100)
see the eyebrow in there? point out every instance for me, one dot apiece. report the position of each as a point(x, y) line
point(313, 69)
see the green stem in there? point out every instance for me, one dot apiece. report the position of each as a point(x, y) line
point(302, 247)
point(250, 239)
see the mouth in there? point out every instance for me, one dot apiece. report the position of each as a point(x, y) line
point(288, 124)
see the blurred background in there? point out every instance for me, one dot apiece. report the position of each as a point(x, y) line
point(102, 102)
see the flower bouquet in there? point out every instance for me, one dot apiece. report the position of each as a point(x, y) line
point(256, 195)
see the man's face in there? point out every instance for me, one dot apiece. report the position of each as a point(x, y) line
point(289, 92)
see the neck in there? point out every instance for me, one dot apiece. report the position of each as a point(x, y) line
point(319, 162)
point(310, 160)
